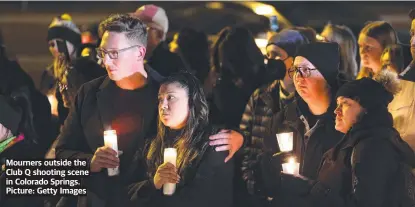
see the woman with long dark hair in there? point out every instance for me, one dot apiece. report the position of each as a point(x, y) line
point(201, 176)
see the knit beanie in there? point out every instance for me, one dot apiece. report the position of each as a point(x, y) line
point(326, 58)
point(10, 117)
point(288, 40)
point(62, 27)
point(370, 94)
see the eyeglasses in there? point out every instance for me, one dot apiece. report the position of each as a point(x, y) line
point(304, 71)
point(113, 54)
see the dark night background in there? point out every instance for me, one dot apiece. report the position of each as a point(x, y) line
point(24, 24)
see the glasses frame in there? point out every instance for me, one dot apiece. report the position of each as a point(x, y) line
point(293, 70)
point(111, 53)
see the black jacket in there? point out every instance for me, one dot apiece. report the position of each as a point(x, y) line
point(309, 147)
point(163, 61)
point(207, 182)
point(83, 131)
point(364, 169)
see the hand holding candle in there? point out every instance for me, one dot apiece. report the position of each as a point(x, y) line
point(170, 156)
point(292, 167)
point(285, 141)
point(110, 140)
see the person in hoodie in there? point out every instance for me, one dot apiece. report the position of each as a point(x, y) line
point(268, 100)
point(310, 116)
point(368, 167)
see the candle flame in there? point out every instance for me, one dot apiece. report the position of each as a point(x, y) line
point(110, 132)
point(291, 160)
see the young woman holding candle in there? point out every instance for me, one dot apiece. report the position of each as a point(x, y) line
point(201, 176)
point(371, 165)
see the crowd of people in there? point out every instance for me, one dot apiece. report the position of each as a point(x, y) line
point(221, 107)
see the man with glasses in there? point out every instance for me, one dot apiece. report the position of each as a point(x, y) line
point(126, 101)
point(311, 115)
point(158, 55)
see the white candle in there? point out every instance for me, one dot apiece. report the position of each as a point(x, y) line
point(292, 167)
point(170, 155)
point(110, 140)
point(285, 141)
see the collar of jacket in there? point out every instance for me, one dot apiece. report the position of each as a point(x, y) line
point(303, 110)
point(373, 122)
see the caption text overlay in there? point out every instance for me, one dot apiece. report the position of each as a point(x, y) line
point(44, 177)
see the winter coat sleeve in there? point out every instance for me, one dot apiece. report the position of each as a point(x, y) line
point(247, 117)
point(211, 186)
point(250, 152)
point(373, 164)
point(71, 141)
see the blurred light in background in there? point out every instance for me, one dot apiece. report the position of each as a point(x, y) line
point(265, 10)
point(262, 44)
point(214, 5)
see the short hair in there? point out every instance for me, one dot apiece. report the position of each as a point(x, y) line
point(133, 28)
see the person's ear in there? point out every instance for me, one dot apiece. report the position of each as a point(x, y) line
point(141, 53)
point(160, 35)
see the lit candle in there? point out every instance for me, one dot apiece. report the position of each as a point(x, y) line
point(110, 140)
point(292, 167)
point(285, 141)
point(170, 155)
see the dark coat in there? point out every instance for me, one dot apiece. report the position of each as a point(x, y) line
point(263, 104)
point(165, 62)
point(83, 131)
point(207, 182)
point(309, 147)
point(13, 78)
point(364, 169)
point(22, 150)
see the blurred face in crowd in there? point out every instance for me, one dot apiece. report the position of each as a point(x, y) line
point(275, 52)
point(308, 81)
point(413, 39)
point(119, 55)
point(53, 47)
point(154, 37)
point(347, 113)
point(174, 46)
point(370, 51)
point(173, 105)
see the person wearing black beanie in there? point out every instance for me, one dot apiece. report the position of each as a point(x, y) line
point(309, 117)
